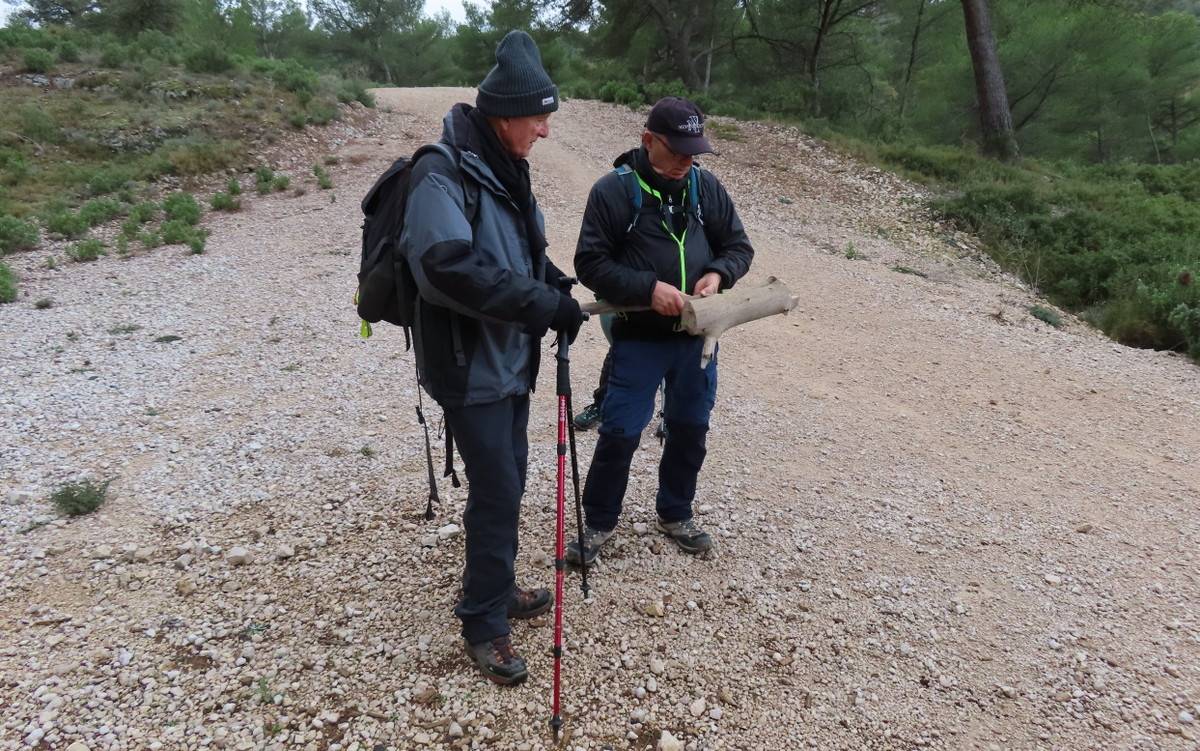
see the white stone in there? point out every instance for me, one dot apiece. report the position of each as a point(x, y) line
point(238, 556)
point(697, 707)
point(668, 742)
point(448, 532)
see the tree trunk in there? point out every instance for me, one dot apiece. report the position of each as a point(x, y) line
point(995, 118)
point(912, 59)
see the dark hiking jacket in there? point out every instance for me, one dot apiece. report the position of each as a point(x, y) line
point(621, 265)
point(484, 303)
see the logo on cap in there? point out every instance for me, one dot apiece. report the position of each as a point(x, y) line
point(548, 100)
point(692, 125)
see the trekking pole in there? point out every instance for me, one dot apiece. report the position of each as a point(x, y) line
point(560, 561)
point(583, 582)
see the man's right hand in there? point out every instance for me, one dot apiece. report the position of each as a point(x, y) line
point(666, 300)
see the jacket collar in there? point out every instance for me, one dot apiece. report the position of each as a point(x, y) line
point(454, 132)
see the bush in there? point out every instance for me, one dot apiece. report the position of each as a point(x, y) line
point(297, 120)
point(99, 210)
point(114, 55)
point(37, 61)
point(66, 223)
point(263, 178)
point(324, 181)
point(1046, 315)
point(79, 498)
point(294, 77)
point(8, 284)
point(208, 58)
point(86, 250)
point(178, 232)
point(621, 93)
point(234, 187)
point(281, 183)
point(224, 202)
point(182, 207)
point(68, 52)
point(110, 179)
point(16, 235)
point(322, 113)
point(355, 91)
point(13, 167)
point(38, 124)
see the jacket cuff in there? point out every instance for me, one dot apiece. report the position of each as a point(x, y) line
point(727, 279)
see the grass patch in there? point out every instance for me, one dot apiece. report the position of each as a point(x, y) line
point(181, 207)
point(16, 234)
point(264, 177)
point(724, 131)
point(222, 201)
point(1046, 315)
point(79, 498)
point(66, 223)
point(281, 183)
point(85, 251)
point(324, 181)
point(99, 210)
point(234, 187)
point(8, 284)
point(124, 328)
point(853, 254)
point(167, 339)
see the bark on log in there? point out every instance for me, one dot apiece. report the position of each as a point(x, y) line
point(710, 317)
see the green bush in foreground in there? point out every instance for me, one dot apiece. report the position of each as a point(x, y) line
point(86, 250)
point(38, 61)
point(79, 498)
point(182, 207)
point(222, 201)
point(16, 235)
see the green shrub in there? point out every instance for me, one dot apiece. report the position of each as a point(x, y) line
point(79, 498)
point(222, 201)
point(355, 91)
point(86, 250)
point(8, 284)
point(114, 55)
point(37, 124)
point(324, 181)
point(143, 212)
point(322, 113)
point(13, 167)
point(234, 187)
point(621, 93)
point(150, 238)
point(208, 58)
point(178, 232)
point(298, 120)
point(66, 223)
point(181, 207)
point(263, 178)
point(201, 156)
point(16, 235)
point(281, 183)
point(37, 61)
point(109, 179)
point(294, 77)
point(1046, 315)
point(68, 52)
point(99, 210)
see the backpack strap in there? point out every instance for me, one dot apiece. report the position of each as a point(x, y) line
point(633, 192)
point(694, 193)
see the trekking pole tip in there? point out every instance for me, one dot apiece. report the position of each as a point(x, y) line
point(556, 724)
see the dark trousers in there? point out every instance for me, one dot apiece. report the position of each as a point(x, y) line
point(492, 441)
point(636, 370)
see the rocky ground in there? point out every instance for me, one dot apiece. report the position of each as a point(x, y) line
point(942, 523)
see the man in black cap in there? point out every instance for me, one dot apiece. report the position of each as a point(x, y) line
point(475, 241)
point(655, 228)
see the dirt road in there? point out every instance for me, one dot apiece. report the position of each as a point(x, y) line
point(942, 523)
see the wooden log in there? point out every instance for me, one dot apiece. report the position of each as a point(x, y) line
point(711, 317)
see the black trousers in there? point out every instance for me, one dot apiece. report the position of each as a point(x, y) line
point(494, 446)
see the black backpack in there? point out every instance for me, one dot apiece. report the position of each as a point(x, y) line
point(387, 290)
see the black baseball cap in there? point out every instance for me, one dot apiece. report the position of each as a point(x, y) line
point(681, 123)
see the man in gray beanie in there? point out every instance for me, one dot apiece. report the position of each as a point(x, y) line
point(475, 241)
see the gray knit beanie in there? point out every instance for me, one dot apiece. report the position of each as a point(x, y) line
point(518, 85)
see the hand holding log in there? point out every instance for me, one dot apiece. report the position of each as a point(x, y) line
point(712, 316)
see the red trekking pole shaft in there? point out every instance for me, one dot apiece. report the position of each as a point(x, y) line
point(560, 562)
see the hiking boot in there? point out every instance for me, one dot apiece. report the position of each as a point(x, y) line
point(687, 535)
point(499, 661)
point(530, 603)
point(588, 417)
point(593, 540)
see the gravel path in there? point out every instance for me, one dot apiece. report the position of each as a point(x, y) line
point(942, 523)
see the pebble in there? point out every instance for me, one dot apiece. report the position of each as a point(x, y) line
point(238, 556)
point(448, 532)
point(429, 541)
point(455, 730)
point(78, 746)
point(657, 666)
point(1053, 579)
point(668, 742)
point(641, 528)
point(185, 586)
point(1186, 718)
point(697, 707)
point(656, 608)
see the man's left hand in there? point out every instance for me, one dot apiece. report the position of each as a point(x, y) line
point(709, 284)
